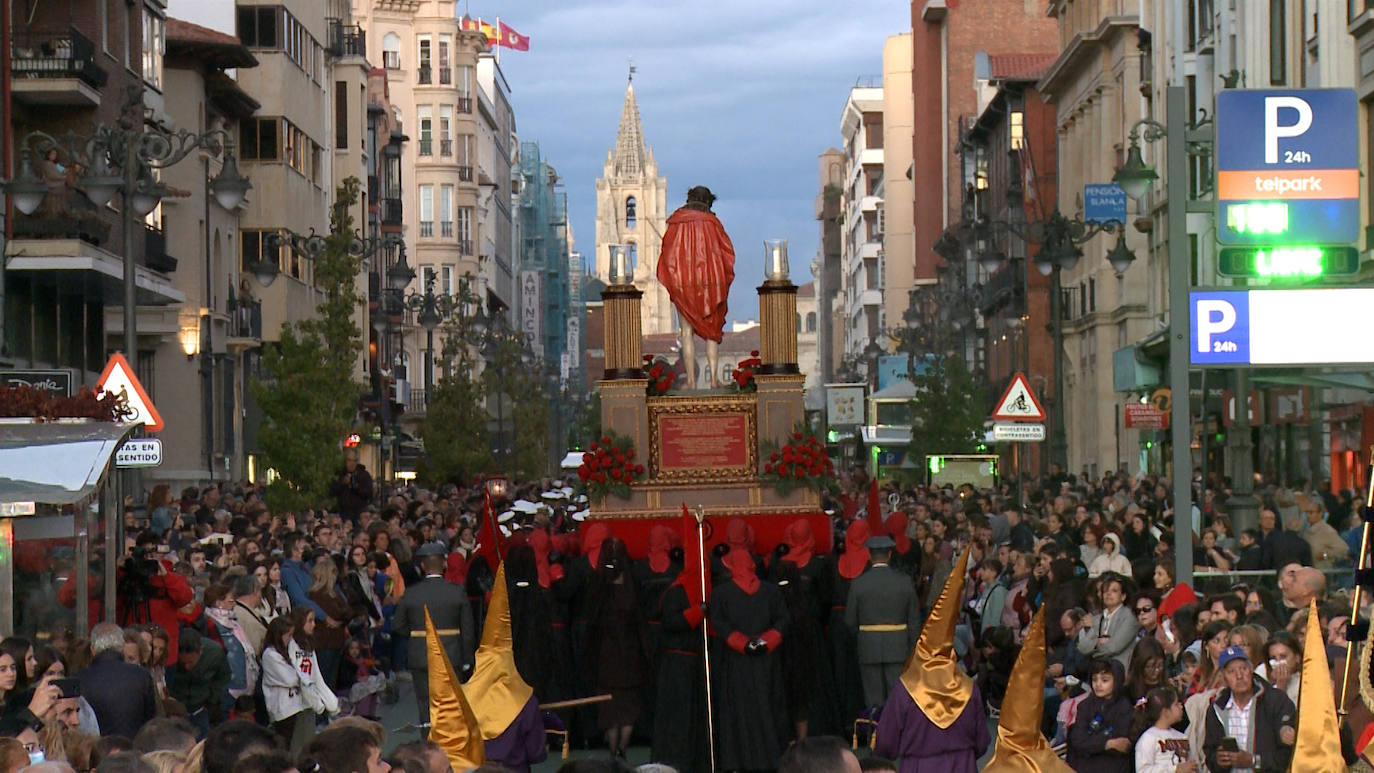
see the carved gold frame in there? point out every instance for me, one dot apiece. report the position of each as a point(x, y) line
point(693, 405)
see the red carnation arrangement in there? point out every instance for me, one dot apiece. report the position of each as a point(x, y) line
point(801, 462)
point(660, 375)
point(743, 374)
point(609, 467)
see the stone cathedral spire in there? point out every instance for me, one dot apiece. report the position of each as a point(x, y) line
point(631, 209)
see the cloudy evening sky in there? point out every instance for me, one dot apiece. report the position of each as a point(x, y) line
point(738, 96)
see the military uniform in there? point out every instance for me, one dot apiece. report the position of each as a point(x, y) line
point(883, 611)
point(452, 616)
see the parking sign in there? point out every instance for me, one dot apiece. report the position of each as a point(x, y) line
point(1287, 166)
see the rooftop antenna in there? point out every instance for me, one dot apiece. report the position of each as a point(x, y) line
point(632, 69)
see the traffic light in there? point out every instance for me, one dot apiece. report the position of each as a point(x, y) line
point(1288, 261)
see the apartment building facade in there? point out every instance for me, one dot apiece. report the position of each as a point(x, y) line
point(861, 130)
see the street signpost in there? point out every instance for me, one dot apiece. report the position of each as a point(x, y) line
point(1288, 166)
point(1018, 431)
point(119, 377)
point(139, 452)
point(1018, 403)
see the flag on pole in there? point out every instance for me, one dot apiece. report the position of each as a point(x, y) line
point(477, 25)
point(453, 725)
point(509, 38)
point(693, 569)
point(875, 511)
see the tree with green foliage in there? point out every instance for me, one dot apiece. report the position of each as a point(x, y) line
point(309, 398)
point(457, 442)
point(949, 409)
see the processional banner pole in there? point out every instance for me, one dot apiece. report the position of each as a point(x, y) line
point(706, 633)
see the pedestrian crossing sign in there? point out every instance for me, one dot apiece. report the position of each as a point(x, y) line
point(1018, 403)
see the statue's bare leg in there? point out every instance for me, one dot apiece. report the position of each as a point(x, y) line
point(713, 362)
point(689, 354)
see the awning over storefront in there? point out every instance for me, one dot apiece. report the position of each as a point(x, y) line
point(56, 463)
point(1362, 380)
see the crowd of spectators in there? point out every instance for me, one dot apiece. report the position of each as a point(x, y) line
point(234, 616)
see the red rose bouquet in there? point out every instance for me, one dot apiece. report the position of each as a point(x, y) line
point(660, 375)
point(609, 467)
point(800, 463)
point(743, 374)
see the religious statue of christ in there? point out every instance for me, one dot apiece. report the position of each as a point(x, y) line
point(697, 265)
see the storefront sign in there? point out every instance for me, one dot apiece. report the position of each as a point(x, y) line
point(844, 405)
point(1145, 416)
point(57, 383)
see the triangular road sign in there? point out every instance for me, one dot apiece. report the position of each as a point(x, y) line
point(119, 377)
point(1018, 403)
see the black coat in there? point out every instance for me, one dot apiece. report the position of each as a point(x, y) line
point(120, 693)
point(1272, 710)
point(1098, 721)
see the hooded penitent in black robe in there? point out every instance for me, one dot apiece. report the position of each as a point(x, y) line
point(531, 620)
point(679, 736)
point(752, 727)
point(805, 579)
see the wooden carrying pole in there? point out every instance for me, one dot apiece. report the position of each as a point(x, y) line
point(706, 637)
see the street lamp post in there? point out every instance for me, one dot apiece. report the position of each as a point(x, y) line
point(123, 159)
point(1182, 138)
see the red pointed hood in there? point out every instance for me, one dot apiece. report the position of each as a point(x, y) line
point(801, 543)
point(875, 510)
point(591, 542)
point(855, 556)
point(660, 542)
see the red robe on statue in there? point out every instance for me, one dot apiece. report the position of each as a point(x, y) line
point(697, 265)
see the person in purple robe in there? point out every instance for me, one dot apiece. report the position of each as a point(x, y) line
point(934, 718)
point(523, 743)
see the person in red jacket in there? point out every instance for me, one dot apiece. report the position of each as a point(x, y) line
point(148, 592)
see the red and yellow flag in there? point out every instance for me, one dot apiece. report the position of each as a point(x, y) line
point(477, 25)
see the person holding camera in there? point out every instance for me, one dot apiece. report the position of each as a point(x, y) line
point(353, 489)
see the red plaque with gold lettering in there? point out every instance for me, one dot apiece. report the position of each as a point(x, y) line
point(691, 444)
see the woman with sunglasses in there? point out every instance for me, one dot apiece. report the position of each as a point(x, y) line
point(1145, 606)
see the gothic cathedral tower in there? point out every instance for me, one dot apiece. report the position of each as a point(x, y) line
point(631, 209)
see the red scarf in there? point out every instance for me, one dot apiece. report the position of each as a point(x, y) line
point(800, 542)
point(855, 556)
point(660, 542)
point(896, 526)
point(741, 566)
point(591, 542)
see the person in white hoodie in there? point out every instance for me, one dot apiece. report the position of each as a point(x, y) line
point(291, 694)
point(1110, 559)
point(1159, 748)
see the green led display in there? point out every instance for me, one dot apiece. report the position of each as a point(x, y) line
point(1288, 262)
point(935, 463)
point(1258, 217)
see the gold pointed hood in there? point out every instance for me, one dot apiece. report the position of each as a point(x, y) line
point(932, 675)
point(1021, 747)
point(453, 725)
point(496, 689)
point(1319, 736)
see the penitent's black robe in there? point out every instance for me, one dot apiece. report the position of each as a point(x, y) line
point(679, 735)
point(752, 726)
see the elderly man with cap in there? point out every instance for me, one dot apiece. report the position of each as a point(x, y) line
point(885, 614)
point(448, 607)
point(1251, 726)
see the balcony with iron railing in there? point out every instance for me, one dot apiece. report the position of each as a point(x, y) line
point(445, 147)
point(416, 401)
point(425, 75)
point(346, 39)
point(426, 146)
point(56, 71)
point(391, 211)
point(426, 227)
point(465, 174)
point(446, 228)
point(445, 76)
point(465, 104)
point(465, 247)
point(245, 323)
